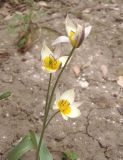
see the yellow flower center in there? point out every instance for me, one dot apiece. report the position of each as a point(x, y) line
point(64, 106)
point(72, 38)
point(50, 63)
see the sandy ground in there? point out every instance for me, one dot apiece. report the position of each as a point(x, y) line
point(98, 133)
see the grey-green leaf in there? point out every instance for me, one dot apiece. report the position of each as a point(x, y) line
point(33, 138)
point(21, 148)
point(44, 152)
point(28, 143)
point(5, 95)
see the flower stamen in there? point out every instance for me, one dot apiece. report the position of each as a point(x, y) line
point(72, 37)
point(51, 63)
point(64, 106)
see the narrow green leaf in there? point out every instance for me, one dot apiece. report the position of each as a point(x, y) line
point(33, 138)
point(21, 148)
point(44, 152)
point(28, 143)
point(5, 95)
point(23, 40)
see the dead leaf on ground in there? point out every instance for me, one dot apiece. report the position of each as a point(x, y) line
point(26, 39)
point(24, 42)
point(4, 54)
point(76, 70)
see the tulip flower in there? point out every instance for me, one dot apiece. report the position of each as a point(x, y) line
point(76, 33)
point(66, 105)
point(51, 63)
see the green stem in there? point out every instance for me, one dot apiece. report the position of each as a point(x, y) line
point(45, 119)
point(56, 82)
point(48, 91)
point(50, 101)
point(51, 118)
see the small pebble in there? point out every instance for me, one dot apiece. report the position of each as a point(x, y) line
point(41, 113)
point(44, 102)
point(92, 72)
point(7, 114)
point(74, 123)
point(104, 87)
point(84, 84)
point(4, 137)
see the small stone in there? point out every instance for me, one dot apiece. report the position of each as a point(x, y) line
point(42, 4)
point(120, 81)
point(44, 102)
point(60, 136)
point(113, 122)
point(7, 114)
point(104, 87)
point(41, 113)
point(84, 84)
point(92, 72)
point(4, 137)
point(88, 10)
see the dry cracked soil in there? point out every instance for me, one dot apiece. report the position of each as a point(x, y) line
point(93, 71)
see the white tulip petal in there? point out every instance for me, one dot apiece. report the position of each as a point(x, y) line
point(64, 117)
point(79, 36)
point(68, 95)
point(45, 51)
point(70, 26)
point(74, 113)
point(55, 107)
point(87, 31)
point(48, 70)
point(76, 104)
point(57, 52)
point(63, 60)
point(61, 39)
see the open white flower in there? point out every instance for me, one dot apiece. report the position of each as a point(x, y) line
point(66, 105)
point(51, 63)
point(76, 33)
